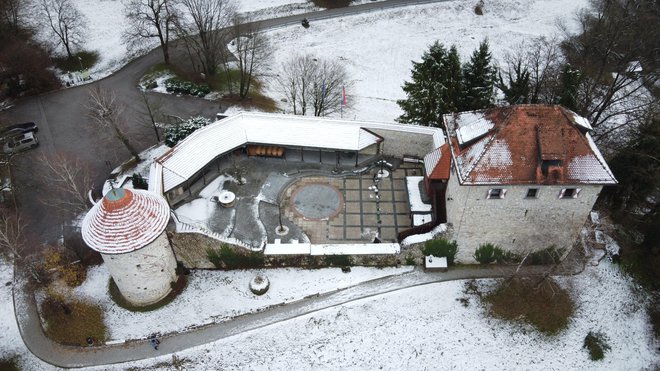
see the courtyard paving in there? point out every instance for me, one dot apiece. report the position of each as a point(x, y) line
point(317, 202)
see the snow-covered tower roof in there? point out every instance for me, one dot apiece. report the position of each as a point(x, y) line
point(125, 220)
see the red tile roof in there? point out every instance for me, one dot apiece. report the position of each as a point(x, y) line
point(542, 144)
point(437, 163)
point(125, 220)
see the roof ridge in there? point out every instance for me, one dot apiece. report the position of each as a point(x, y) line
point(507, 118)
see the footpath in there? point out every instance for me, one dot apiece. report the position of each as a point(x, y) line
point(64, 356)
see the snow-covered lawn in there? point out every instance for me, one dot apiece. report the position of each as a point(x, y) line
point(214, 296)
point(377, 48)
point(428, 328)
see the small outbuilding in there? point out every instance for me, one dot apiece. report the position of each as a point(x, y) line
point(128, 228)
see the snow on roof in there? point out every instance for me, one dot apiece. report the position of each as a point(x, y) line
point(581, 121)
point(125, 220)
point(201, 147)
point(522, 136)
point(471, 125)
point(156, 178)
point(414, 197)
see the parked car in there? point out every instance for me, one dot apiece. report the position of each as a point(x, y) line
point(20, 142)
point(19, 128)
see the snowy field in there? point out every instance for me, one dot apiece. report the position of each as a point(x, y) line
point(426, 328)
point(377, 48)
point(216, 296)
point(414, 329)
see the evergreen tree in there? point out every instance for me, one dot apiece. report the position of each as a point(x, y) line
point(517, 87)
point(478, 79)
point(570, 82)
point(434, 89)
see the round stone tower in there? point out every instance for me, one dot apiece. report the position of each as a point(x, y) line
point(128, 228)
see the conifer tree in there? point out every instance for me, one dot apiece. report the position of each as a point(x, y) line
point(478, 79)
point(516, 88)
point(434, 89)
point(568, 90)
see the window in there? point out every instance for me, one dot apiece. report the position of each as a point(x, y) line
point(532, 193)
point(569, 193)
point(495, 193)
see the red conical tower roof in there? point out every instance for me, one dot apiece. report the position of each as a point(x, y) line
point(125, 220)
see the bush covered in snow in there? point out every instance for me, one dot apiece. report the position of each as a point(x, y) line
point(175, 85)
point(441, 247)
point(176, 133)
point(259, 285)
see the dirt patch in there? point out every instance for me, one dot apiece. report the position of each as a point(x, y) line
point(73, 323)
point(542, 303)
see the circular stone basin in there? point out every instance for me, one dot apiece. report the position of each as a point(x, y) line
point(317, 201)
point(226, 198)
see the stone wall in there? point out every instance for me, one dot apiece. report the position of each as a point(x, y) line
point(399, 143)
point(143, 276)
point(516, 223)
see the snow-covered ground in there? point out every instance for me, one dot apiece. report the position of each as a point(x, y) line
point(215, 296)
point(427, 328)
point(377, 48)
point(419, 328)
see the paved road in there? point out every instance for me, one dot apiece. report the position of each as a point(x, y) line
point(64, 127)
point(67, 356)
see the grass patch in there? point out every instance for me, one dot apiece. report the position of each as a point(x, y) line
point(544, 305)
point(73, 323)
point(228, 257)
point(338, 260)
point(9, 364)
point(119, 299)
point(596, 344)
point(79, 61)
point(332, 4)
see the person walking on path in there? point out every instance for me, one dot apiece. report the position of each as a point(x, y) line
point(154, 343)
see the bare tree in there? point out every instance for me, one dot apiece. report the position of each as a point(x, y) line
point(69, 183)
point(148, 19)
point(12, 13)
point(203, 29)
point(65, 22)
point(252, 51)
point(12, 234)
point(615, 52)
point(316, 84)
point(152, 112)
point(107, 113)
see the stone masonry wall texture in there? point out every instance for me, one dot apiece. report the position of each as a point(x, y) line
point(143, 276)
point(516, 223)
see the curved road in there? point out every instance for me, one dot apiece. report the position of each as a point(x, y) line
point(64, 128)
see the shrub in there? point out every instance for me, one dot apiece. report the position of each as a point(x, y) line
point(441, 247)
point(487, 253)
point(338, 260)
point(479, 8)
point(547, 256)
point(596, 343)
point(228, 258)
point(139, 182)
point(410, 260)
point(176, 133)
point(175, 85)
point(506, 257)
point(9, 364)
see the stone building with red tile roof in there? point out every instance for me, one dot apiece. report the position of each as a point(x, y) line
point(523, 177)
